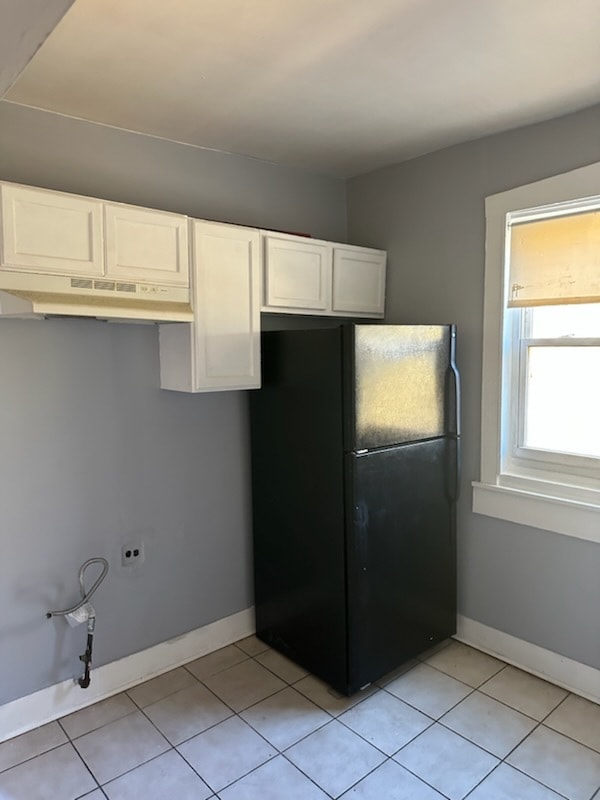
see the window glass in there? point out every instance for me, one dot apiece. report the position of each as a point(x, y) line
point(563, 400)
point(581, 320)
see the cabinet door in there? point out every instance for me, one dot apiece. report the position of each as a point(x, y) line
point(221, 349)
point(52, 232)
point(358, 281)
point(297, 274)
point(146, 245)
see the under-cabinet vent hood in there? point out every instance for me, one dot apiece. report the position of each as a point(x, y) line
point(29, 295)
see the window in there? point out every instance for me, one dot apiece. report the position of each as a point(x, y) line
point(541, 369)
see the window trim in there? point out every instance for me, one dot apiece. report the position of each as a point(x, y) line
point(546, 504)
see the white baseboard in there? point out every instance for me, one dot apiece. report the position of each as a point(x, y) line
point(572, 675)
point(36, 709)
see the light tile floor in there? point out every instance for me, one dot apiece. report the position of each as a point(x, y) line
point(244, 723)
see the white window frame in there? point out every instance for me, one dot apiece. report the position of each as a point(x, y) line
point(542, 498)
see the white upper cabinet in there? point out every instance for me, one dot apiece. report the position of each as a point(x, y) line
point(52, 232)
point(297, 273)
point(146, 245)
point(65, 234)
point(358, 280)
point(308, 276)
point(221, 348)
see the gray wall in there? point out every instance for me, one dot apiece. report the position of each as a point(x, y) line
point(93, 453)
point(429, 214)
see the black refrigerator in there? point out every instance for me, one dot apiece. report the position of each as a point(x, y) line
point(355, 443)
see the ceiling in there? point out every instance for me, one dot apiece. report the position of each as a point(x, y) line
point(336, 86)
point(23, 27)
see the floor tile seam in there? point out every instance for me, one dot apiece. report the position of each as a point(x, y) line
point(302, 772)
point(366, 775)
point(148, 761)
point(127, 771)
point(278, 691)
point(239, 778)
point(68, 743)
point(160, 699)
point(429, 715)
point(570, 738)
point(172, 694)
point(85, 764)
point(266, 697)
point(87, 794)
point(276, 674)
point(293, 744)
point(506, 705)
point(37, 755)
point(531, 777)
point(489, 774)
point(388, 755)
point(485, 777)
point(297, 741)
point(536, 780)
point(421, 778)
point(450, 675)
point(252, 655)
point(191, 661)
point(556, 707)
point(481, 747)
point(495, 675)
point(522, 770)
point(168, 694)
point(175, 745)
point(104, 724)
point(544, 722)
point(194, 770)
point(137, 710)
point(271, 745)
point(237, 711)
point(525, 714)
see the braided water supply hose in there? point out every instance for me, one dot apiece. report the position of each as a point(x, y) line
point(82, 612)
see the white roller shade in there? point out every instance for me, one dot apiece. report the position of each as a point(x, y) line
point(555, 261)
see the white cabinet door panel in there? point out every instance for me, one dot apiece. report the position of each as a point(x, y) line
point(146, 245)
point(221, 349)
point(226, 304)
point(297, 273)
point(358, 281)
point(52, 232)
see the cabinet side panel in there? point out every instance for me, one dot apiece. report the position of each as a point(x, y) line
point(175, 350)
point(298, 501)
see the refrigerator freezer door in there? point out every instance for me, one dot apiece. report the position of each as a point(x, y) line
point(397, 382)
point(400, 556)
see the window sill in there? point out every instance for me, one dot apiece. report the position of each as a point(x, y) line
point(569, 517)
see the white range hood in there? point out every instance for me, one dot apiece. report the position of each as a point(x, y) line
point(27, 295)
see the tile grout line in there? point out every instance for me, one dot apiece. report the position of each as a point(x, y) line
point(333, 717)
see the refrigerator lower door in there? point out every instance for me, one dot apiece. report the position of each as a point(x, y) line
point(401, 580)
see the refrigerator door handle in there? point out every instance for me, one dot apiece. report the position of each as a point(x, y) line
point(454, 432)
point(455, 380)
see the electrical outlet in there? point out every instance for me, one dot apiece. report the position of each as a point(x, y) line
point(132, 554)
